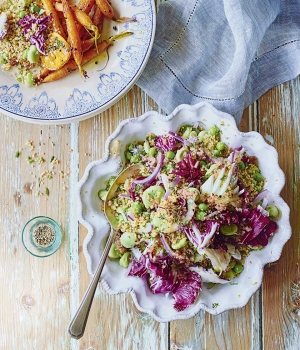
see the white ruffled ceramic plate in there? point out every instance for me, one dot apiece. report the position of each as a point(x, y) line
point(72, 98)
point(221, 297)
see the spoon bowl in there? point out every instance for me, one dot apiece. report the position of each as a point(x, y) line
point(78, 323)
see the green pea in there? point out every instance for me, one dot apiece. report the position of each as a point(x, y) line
point(170, 155)
point(180, 244)
point(199, 215)
point(114, 252)
point(127, 239)
point(201, 135)
point(273, 211)
point(169, 167)
point(128, 155)
point(102, 194)
point(232, 264)
point(131, 146)
point(203, 206)
point(135, 158)
point(34, 8)
point(137, 207)
point(258, 177)
point(110, 181)
point(203, 163)
point(238, 268)
point(220, 146)
point(214, 130)
point(229, 230)
point(3, 58)
point(21, 14)
point(241, 165)
point(229, 275)
point(152, 152)
point(29, 79)
point(125, 259)
point(33, 54)
point(216, 152)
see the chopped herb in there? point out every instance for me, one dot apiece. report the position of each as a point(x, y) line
point(29, 160)
point(47, 191)
point(52, 159)
point(214, 305)
point(17, 154)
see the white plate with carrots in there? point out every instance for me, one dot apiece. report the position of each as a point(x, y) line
point(92, 53)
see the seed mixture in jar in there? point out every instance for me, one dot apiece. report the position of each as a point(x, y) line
point(44, 235)
point(191, 213)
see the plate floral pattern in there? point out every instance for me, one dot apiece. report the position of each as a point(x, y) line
point(221, 297)
point(72, 98)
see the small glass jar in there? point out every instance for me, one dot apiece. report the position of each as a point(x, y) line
point(41, 236)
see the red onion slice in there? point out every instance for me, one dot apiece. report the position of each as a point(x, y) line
point(130, 217)
point(150, 178)
point(165, 244)
point(260, 196)
point(122, 195)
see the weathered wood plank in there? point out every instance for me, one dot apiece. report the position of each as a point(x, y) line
point(279, 123)
point(34, 293)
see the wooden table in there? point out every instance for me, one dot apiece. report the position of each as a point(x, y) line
point(39, 296)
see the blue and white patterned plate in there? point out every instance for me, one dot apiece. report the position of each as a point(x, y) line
point(111, 75)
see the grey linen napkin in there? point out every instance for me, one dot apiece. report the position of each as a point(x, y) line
point(225, 52)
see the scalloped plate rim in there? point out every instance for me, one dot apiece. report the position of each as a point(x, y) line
point(260, 263)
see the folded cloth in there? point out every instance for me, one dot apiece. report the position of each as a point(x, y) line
point(225, 52)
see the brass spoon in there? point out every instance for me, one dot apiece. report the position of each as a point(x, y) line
point(77, 326)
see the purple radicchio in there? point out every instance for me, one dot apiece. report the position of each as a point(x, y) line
point(165, 277)
point(188, 168)
point(165, 143)
point(37, 27)
point(258, 227)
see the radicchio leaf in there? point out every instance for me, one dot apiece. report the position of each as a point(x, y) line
point(165, 143)
point(259, 227)
point(40, 24)
point(188, 169)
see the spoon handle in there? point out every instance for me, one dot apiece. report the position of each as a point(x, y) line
point(78, 323)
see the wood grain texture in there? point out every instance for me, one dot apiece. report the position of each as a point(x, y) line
point(39, 296)
point(34, 292)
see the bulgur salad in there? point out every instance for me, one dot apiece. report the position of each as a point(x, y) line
point(191, 213)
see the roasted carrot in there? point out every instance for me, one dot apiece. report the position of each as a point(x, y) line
point(73, 35)
point(106, 9)
point(86, 5)
point(98, 19)
point(50, 10)
point(86, 21)
point(72, 65)
point(86, 45)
